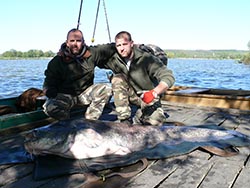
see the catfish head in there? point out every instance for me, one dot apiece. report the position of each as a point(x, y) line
point(49, 141)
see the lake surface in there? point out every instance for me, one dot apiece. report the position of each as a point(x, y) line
point(18, 75)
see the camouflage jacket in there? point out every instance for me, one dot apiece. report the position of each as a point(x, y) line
point(72, 75)
point(145, 72)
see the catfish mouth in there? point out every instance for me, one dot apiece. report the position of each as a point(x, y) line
point(33, 144)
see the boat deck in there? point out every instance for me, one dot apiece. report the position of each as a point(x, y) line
point(198, 169)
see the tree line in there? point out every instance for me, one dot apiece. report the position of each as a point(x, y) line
point(208, 54)
point(239, 55)
point(12, 54)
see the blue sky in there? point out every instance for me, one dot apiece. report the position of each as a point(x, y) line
point(171, 24)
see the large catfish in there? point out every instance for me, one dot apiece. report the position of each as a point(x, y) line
point(82, 139)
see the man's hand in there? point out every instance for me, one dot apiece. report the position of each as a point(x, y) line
point(149, 96)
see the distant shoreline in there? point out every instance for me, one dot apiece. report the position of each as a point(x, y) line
point(22, 58)
point(238, 55)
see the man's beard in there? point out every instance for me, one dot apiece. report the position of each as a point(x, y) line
point(76, 51)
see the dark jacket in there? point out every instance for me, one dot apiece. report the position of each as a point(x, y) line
point(72, 75)
point(145, 72)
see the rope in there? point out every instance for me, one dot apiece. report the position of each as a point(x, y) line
point(96, 17)
point(79, 16)
point(106, 16)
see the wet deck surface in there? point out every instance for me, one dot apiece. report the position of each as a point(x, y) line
point(198, 169)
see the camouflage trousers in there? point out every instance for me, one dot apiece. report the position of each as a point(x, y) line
point(95, 97)
point(124, 95)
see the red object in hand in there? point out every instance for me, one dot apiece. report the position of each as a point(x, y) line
point(149, 96)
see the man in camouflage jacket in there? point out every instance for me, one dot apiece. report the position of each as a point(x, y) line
point(139, 78)
point(69, 78)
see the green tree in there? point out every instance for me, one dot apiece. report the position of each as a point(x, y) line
point(246, 58)
point(49, 54)
point(10, 53)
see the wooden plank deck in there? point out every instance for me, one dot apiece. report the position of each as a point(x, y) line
point(198, 169)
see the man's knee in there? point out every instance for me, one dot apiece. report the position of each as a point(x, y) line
point(102, 92)
point(119, 80)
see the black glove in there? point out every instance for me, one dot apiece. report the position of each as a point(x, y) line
point(51, 92)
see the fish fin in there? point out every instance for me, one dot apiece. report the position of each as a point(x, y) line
point(130, 174)
point(226, 152)
point(94, 180)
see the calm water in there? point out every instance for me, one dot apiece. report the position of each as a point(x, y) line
point(19, 75)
